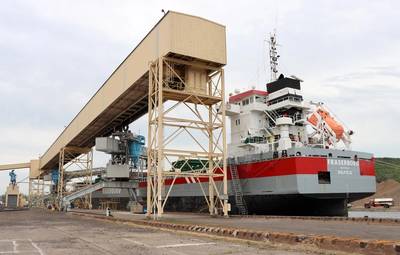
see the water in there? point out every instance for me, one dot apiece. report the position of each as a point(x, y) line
point(372, 214)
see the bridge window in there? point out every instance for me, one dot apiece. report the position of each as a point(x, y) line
point(260, 99)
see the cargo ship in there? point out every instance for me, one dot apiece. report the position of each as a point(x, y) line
point(287, 156)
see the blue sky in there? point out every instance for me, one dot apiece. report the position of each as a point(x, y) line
point(54, 55)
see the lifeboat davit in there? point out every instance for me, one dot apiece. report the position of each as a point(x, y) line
point(329, 120)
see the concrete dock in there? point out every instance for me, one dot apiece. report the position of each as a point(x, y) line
point(39, 231)
point(354, 235)
point(43, 232)
point(345, 229)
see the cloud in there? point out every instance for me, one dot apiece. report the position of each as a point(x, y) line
point(366, 100)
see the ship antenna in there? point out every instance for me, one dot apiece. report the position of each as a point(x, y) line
point(273, 56)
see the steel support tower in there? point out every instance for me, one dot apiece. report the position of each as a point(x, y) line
point(74, 158)
point(188, 86)
point(36, 192)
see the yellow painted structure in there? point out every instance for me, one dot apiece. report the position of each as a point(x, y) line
point(181, 50)
point(33, 165)
point(15, 166)
point(34, 169)
point(123, 97)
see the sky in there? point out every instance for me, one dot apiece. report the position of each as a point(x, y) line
point(54, 55)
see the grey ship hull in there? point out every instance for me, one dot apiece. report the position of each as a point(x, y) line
point(289, 185)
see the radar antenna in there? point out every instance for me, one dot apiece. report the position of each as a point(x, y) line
point(273, 56)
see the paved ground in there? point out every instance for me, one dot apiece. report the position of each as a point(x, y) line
point(392, 214)
point(44, 232)
point(361, 230)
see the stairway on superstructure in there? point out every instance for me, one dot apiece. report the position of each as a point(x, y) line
point(237, 187)
point(272, 115)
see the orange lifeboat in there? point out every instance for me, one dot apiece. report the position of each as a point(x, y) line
point(329, 120)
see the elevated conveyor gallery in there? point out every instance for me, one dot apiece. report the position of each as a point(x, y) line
point(123, 98)
point(8, 167)
point(100, 185)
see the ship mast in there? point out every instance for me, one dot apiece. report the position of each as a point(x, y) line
point(273, 56)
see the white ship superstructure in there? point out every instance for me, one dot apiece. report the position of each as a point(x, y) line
point(286, 156)
point(279, 119)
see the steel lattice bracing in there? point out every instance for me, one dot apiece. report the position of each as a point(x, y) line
point(74, 158)
point(122, 98)
point(36, 192)
point(198, 89)
point(178, 40)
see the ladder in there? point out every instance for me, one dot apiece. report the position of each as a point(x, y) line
point(237, 188)
point(269, 131)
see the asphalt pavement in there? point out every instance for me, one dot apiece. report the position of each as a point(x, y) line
point(44, 232)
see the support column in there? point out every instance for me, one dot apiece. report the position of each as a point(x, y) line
point(210, 159)
point(60, 182)
point(160, 138)
point(79, 159)
point(225, 149)
point(150, 159)
point(42, 192)
point(193, 89)
point(30, 193)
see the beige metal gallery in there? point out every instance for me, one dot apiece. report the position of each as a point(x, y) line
point(123, 97)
